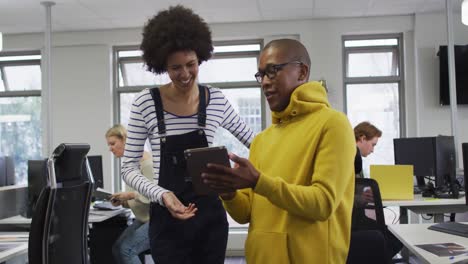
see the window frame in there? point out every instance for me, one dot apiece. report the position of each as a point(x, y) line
point(19, 93)
point(4, 64)
point(399, 79)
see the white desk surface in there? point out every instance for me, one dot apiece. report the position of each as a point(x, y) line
point(428, 205)
point(12, 187)
point(18, 239)
point(417, 234)
point(95, 216)
point(424, 201)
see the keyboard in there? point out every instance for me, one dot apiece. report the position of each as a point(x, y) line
point(453, 228)
point(106, 205)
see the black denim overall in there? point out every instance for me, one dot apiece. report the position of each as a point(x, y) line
point(202, 238)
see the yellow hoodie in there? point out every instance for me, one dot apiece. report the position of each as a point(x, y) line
point(300, 209)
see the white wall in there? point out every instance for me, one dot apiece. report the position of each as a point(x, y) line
point(82, 81)
point(431, 32)
point(82, 97)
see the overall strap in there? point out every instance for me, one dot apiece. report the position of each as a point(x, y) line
point(159, 110)
point(201, 106)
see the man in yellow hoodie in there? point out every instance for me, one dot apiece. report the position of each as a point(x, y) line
point(297, 188)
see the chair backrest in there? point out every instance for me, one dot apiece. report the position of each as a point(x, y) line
point(62, 209)
point(69, 159)
point(368, 211)
point(68, 227)
point(37, 237)
point(465, 169)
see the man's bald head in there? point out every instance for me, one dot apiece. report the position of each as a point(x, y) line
point(283, 66)
point(291, 48)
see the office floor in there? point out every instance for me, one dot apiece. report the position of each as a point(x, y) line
point(412, 260)
point(229, 260)
point(234, 260)
point(241, 260)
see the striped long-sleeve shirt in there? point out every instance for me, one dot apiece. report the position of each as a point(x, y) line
point(143, 125)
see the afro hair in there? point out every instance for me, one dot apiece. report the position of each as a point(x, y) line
point(175, 29)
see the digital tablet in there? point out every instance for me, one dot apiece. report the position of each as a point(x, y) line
point(197, 159)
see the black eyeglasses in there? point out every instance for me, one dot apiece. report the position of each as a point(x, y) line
point(272, 69)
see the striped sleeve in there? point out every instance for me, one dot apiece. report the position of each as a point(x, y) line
point(137, 133)
point(236, 125)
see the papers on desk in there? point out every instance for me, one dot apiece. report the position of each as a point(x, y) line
point(14, 237)
point(99, 189)
point(444, 249)
point(106, 205)
point(9, 250)
point(10, 241)
point(101, 194)
point(7, 246)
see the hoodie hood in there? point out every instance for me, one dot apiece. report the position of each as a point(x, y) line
point(306, 98)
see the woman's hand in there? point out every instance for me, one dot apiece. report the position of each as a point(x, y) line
point(121, 197)
point(176, 208)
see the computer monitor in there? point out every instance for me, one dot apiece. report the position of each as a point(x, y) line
point(445, 166)
point(416, 152)
point(37, 180)
point(430, 157)
point(95, 163)
point(7, 171)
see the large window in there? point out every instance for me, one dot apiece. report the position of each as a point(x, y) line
point(232, 69)
point(20, 109)
point(373, 83)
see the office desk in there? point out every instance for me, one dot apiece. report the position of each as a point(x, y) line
point(423, 205)
point(99, 220)
point(417, 234)
point(12, 187)
point(95, 216)
point(18, 242)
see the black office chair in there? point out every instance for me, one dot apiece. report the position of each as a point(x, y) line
point(368, 213)
point(37, 237)
point(59, 224)
point(368, 241)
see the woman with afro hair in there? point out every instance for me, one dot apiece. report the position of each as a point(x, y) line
point(184, 227)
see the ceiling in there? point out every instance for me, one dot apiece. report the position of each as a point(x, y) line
point(25, 16)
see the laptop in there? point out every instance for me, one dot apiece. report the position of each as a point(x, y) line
point(395, 181)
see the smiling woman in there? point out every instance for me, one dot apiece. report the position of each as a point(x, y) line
point(231, 69)
point(176, 116)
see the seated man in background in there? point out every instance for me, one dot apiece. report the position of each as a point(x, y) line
point(367, 136)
